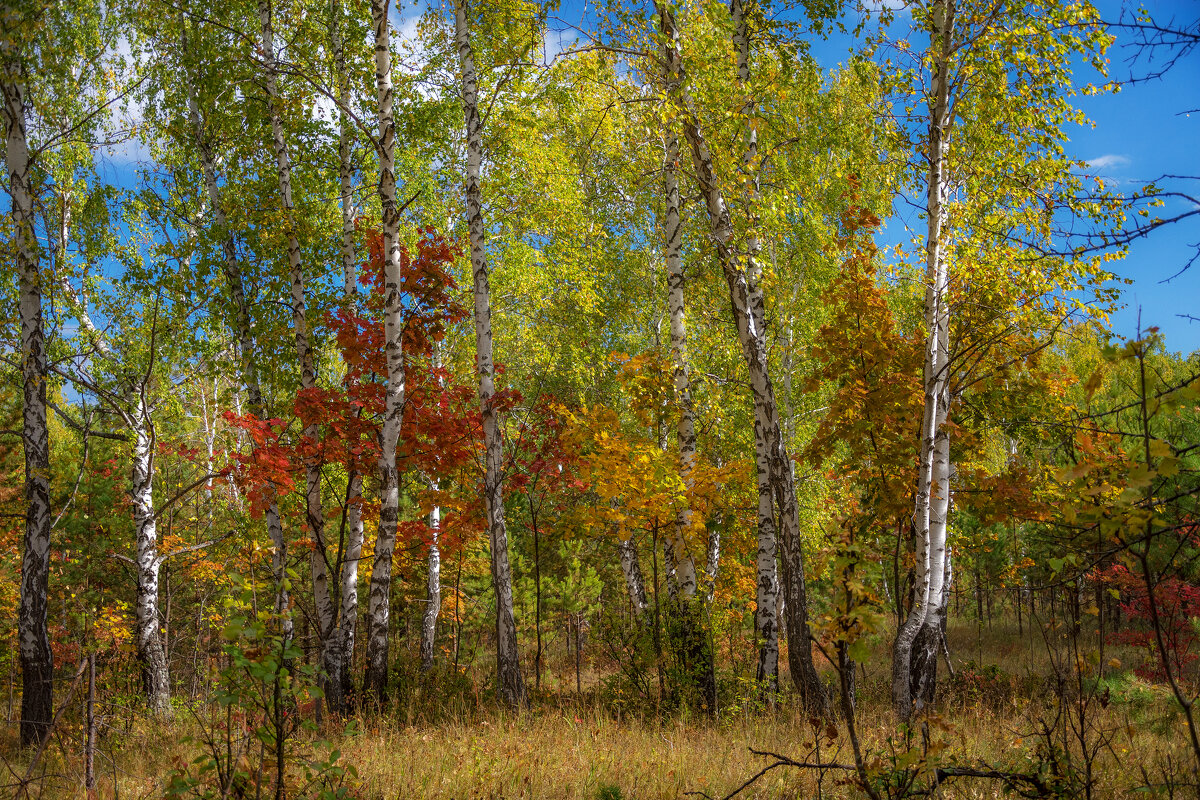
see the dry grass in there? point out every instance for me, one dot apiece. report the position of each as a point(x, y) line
point(577, 749)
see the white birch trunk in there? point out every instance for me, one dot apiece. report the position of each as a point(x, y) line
point(712, 564)
point(685, 566)
point(314, 515)
point(635, 584)
point(378, 609)
point(747, 302)
point(511, 685)
point(767, 591)
point(37, 660)
point(244, 336)
point(156, 681)
point(433, 581)
point(934, 443)
point(352, 551)
point(210, 442)
point(345, 142)
point(348, 613)
point(433, 589)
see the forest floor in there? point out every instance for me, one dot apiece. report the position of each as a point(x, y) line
point(578, 748)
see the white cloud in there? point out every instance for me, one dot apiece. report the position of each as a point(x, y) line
point(555, 42)
point(1109, 161)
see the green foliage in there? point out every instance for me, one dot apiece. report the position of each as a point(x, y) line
point(263, 693)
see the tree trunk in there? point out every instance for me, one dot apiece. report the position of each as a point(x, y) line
point(156, 681)
point(766, 624)
point(89, 732)
point(693, 641)
point(511, 685)
point(331, 682)
point(433, 589)
point(632, 570)
point(351, 553)
point(244, 336)
point(931, 642)
point(685, 568)
point(345, 143)
point(749, 314)
point(378, 610)
point(537, 592)
point(712, 560)
point(932, 495)
point(37, 660)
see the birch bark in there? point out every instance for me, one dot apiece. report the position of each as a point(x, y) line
point(156, 681)
point(932, 492)
point(352, 554)
point(749, 313)
point(433, 589)
point(712, 563)
point(433, 582)
point(690, 637)
point(767, 588)
point(244, 336)
point(37, 660)
point(378, 609)
point(314, 515)
point(345, 142)
point(352, 551)
point(685, 566)
point(511, 685)
point(635, 584)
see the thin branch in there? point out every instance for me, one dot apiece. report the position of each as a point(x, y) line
point(83, 429)
point(182, 492)
point(191, 548)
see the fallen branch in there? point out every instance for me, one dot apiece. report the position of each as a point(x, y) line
point(780, 761)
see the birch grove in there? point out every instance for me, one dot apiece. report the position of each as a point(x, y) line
point(602, 340)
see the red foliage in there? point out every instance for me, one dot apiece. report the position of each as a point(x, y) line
point(542, 464)
point(440, 427)
point(1178, 605)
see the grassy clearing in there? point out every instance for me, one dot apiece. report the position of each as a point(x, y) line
point(575, 747)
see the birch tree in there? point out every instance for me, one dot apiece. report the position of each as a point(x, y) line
point(932, 492)
point(351, 544)
point(749, 315)
point(37, 661)
point(331, 653)
point(766, 622)
point(988, 68)
point(58, 79)
point(375, 682)
point(511, 684)
point(693, 639)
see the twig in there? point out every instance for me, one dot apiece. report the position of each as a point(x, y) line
point(23, 786)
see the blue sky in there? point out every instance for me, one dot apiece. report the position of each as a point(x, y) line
point(1141, 133)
